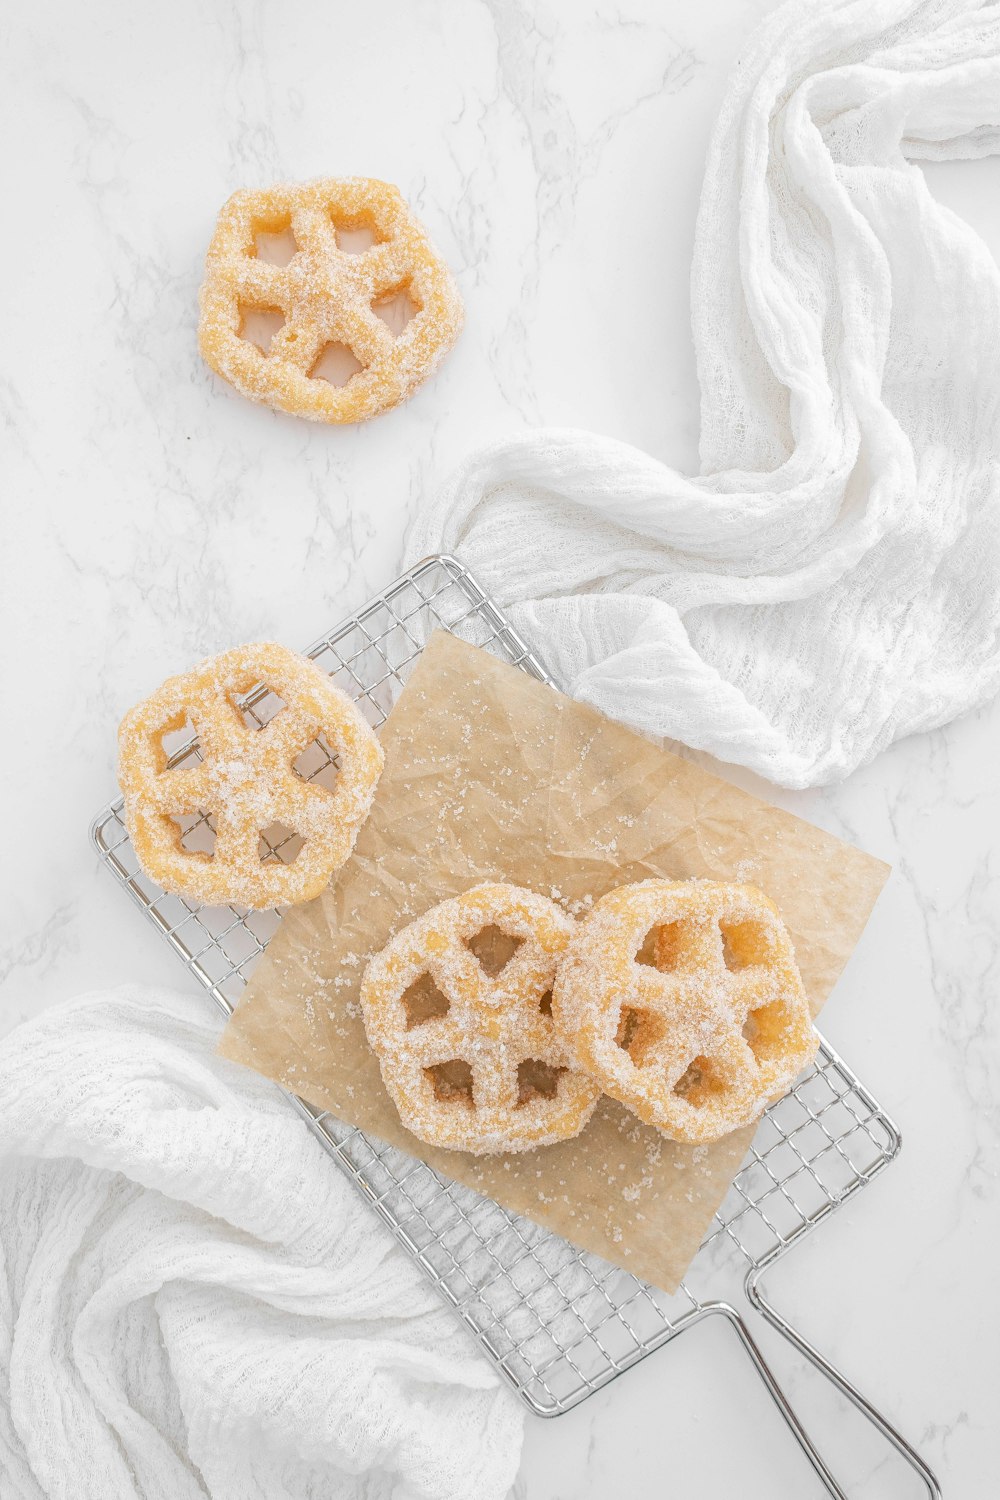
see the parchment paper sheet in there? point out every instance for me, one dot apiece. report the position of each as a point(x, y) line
point(491, 775)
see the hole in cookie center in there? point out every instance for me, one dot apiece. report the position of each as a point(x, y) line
point(493, 949)
point(451, 1081)
point(744, 944)
point(279, 845)
point(545, 1003)
point(276, 246)
point(396, 309)
point(195, 833)
point(660, 948)
point(638, 1033)
point(699, 1082)
point(423, 1002)
point(536, 1080)
point(258, 326)
point(337, 365)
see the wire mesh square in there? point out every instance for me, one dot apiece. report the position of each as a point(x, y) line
point(558, 1322)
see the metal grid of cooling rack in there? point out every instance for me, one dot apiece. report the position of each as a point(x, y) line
point(558, 1322)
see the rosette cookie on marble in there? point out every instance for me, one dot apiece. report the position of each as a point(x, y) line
point(329, 298)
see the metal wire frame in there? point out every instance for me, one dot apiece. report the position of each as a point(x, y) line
point(557, 1322)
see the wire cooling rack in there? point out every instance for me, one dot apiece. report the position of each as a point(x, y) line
point(559, 1323)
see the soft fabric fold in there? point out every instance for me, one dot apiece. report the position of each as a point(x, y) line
point(830, 580)
point(193, 1298)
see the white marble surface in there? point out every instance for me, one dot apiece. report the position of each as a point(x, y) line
point(151, 516)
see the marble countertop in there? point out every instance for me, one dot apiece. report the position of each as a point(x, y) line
point(555, 151)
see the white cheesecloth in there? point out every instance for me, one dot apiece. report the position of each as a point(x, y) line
point(194, 1300)
point(831, 580)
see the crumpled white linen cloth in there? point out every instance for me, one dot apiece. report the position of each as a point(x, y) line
point(193, 1299)
point(831, 580)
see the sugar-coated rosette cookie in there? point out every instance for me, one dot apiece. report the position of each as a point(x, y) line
point(338, 346)
point(276, 833)
point(457, 1008)
point(684, 1002)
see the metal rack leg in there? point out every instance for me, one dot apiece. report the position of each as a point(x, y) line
point(759, 1302)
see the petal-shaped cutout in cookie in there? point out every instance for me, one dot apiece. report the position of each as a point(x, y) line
point(699, 1082)
point(258, 326)
point(278, 843)
point(259, 706)
point(424, 1002)
point(638, 1033)
point(396, 309)
point(659, 948)
point(536, 1080)
point(766, 1031)
point(196, 832)
point(317, 764)
point(745, 944)
point(355, 238)
point(277, 245)
point(178, 736)
point(451, 1081)
point(493, 949)
point(337, 365)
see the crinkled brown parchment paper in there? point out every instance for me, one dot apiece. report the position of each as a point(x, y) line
point(491, 775)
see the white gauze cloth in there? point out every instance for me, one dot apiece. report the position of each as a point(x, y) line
point(831, 580)
point(193, 1299)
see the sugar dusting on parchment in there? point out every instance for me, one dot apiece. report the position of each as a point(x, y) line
point(559, 799)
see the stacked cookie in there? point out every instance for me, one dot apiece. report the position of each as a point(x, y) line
point(682, 1000)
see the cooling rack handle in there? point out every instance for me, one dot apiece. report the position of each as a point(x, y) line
point(758, 1301)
